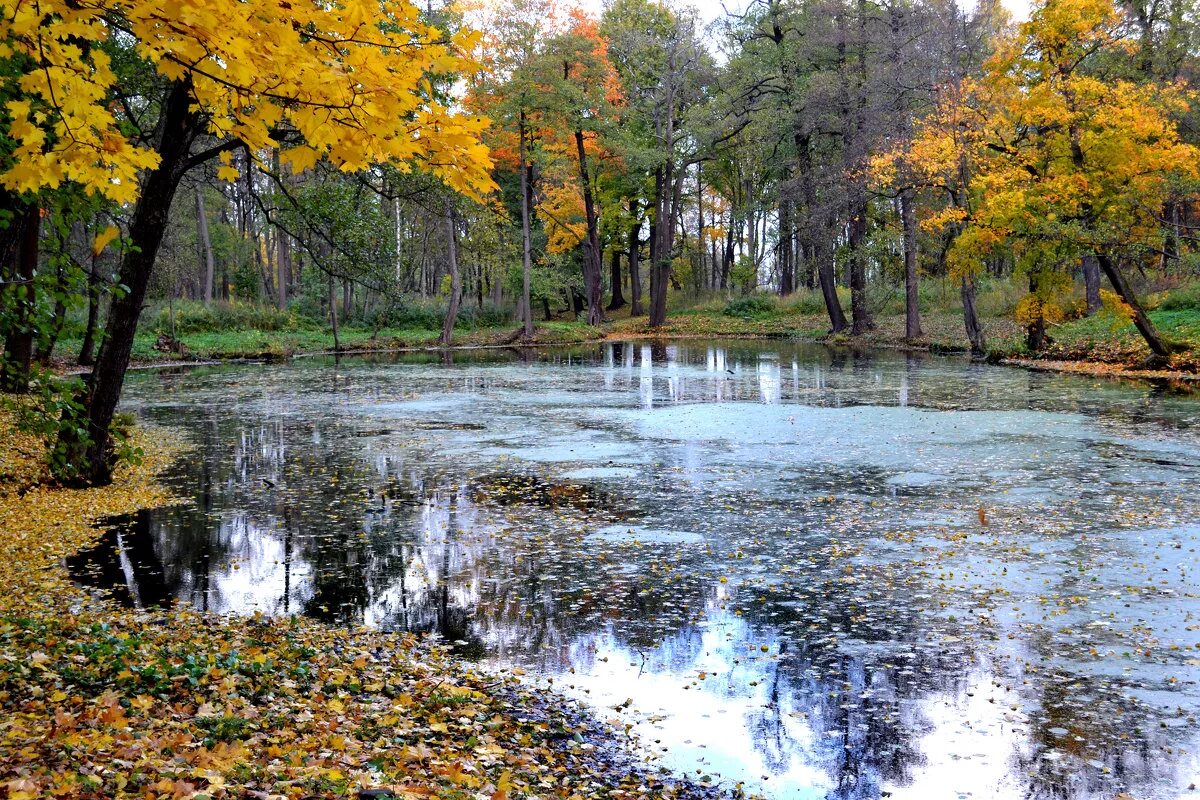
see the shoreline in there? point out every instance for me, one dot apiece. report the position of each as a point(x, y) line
point(1099, 369)
point(198, 704)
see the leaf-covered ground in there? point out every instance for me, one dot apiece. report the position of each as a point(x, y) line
point(101, 702)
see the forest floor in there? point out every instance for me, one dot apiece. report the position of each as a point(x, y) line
point(1098, 345)
point(101, 701)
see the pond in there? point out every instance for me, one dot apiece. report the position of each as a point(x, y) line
point(816, 573)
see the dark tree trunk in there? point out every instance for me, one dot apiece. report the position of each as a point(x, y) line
point(455, 278)
point(92, 465)
point(206, 251)
point(787, 267)
point(24, 233)
point(592, 253)
point(1158, 346)
point(59, 316)
point(816, 236)
point(1091, 283)
point(1035, 332)
point(971, 318)
point(86, 356)
point(660, 271)
point(618, 297)
point(635, 258)
point(859, 311)
point(284, 267)
point(526, 250)
point(828, 281)
point(333, 316)
point(912, 300)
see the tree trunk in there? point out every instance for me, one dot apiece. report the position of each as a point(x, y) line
point(618, 297)
point(592, 254)
point(284, 266)
point(912, 300)
point(17, 362)
point(206, 250)
point(86, 356)
point(1158, 346)
point(787, 267)
point(1091, 283)
point(971, 318)
point(91, 464)
point(526, 257)
point(635, 257)
point(1035, 332)
point(816, 236)
point(859, 312)
point(333, 317)
point(455, 279)
point(58, 317)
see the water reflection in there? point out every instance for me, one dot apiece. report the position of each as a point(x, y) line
point(823, 573)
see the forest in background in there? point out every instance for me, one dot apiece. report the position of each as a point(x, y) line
point(524, 160)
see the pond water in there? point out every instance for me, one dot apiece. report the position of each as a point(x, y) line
point(819, 574)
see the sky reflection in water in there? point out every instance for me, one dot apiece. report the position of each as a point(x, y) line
point(776, 552)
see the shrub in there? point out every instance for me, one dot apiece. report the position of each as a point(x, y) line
point(1185, 298)
point(805, 301)
point(750, 306)
point(427, 315)
point(195, 317)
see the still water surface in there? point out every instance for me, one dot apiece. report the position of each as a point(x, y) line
point(820, 574)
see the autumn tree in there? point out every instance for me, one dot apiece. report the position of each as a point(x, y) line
point(348, 83)
point(1066, 160)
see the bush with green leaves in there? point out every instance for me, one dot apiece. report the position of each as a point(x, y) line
point(53, 412)
point(195, 317)
point(750, 306)
point(1184, 298)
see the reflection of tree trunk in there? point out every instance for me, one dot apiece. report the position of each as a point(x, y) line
point(1141, 321)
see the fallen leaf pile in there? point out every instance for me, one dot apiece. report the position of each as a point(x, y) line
point(101, 702)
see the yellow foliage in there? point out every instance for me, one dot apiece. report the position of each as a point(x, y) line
point(561, 207)
point(1045, 155)
point(351, 79)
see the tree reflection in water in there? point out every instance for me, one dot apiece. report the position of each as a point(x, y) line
point(791, 597)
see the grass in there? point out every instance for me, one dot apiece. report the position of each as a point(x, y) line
point(1109, 339)
point(235, 331)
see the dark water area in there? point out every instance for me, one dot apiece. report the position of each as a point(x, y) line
point(822, 574)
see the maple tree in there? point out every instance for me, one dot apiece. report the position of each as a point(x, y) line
point(348, 83)
point(1065, 161)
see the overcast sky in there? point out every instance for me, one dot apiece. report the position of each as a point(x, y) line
point(709, 10)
